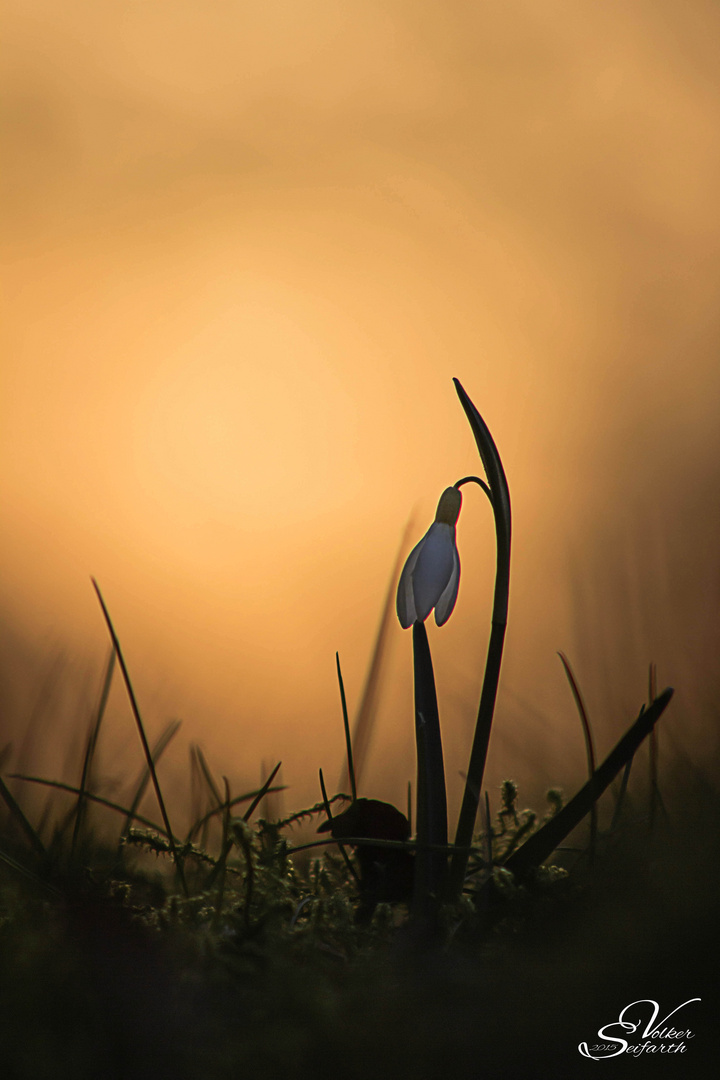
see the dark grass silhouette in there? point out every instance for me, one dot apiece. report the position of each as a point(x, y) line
point(242, 951)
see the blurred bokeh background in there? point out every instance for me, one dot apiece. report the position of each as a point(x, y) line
point(247, 246)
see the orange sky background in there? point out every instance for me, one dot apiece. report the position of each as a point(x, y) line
point(248, 245)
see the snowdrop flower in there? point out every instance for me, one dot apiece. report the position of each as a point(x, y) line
point(431, 574)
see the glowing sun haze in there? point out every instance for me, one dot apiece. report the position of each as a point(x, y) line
point(248, 246)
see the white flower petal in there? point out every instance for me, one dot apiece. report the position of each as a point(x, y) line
point(405, 603)
point(434, 567)
point(446, 603)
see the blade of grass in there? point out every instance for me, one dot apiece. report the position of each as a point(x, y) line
point(328, 811)
point(391, 845)
point(348, 740)
point(22, 821)
point(219, 870)
point(206, 782)
point(157, 751)
point(653, 745)
point(367, 710)
point(243, 842)
point(589, 745)
point(542, 843)
point(273, 803)
point(205, 768)
point(310, 811)
point(20, 869)
point(143, 737)
point(92, 798)
point(90, 751)
point(237, 799)
point(622, 793)
point(261, 793)
point(621, 796)
point(198, 796)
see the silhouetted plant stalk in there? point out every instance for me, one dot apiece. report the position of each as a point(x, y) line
point(500, 499)
point(654, 788)
point(367, 710)
point(91, 745)
point(589, 746)
point(346, 726)
point(430, 580)
point(431, 804)
point(329, 816)
point(143, 738)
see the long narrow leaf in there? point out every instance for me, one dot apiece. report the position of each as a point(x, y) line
point(346, 725)
point(503, 529)
point(261, 793)
point(20, 869)
point(143, 737)
point(367, 710)
point(88, 795)
point(219, 871)
point(200, 769)
point(653, 744)
point(19, 816)
point(390, 845)
point(90, 750)
point(157, 751)
point(621, 796)
point(589, 746)
point(207, 774)
point(328, 812)
point(234, 802)
point(542, 844)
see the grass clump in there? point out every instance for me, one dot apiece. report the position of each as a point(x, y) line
point(244, 948)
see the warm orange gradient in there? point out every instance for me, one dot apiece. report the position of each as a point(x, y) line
point(248, 246)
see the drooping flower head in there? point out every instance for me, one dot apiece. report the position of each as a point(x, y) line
point(431, 574)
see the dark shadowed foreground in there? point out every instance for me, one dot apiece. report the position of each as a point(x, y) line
point(89, 989)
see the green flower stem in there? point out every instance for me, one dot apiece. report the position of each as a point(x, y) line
point(500, 498)
point(431, 814)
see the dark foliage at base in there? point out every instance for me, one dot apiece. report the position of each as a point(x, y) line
point(116, 985)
